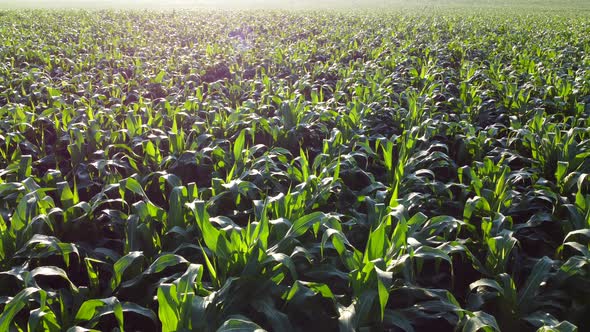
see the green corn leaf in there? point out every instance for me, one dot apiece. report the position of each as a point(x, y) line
point(301, 225)
point(394, 318)
point(538, 275)
point(377, 244)
point(564, 326)
point(93, 309)
point(133, 259)
point(177, 199)
point(165, 261)
point(384, 281)
point(15, 305)
point(45, 319)
point(139, 310)
point(212, 236)
point(24, 169)
point(239, 325)
point(160, 77)
point(189, 280)
point(239, 145)
point(168, 310)
point(480, 321)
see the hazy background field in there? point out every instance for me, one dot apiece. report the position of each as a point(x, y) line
point(293, 4)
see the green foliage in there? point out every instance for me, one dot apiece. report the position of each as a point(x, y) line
point(294, 171)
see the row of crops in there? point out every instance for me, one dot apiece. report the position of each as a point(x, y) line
point(241, 171)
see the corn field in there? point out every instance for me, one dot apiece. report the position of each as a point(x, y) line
point(294, 170)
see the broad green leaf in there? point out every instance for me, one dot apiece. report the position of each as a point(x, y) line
point(480, 321)
point(15, 305)
point(537, 276)
point(564, 326)
point(53, 271)
point(239, 325)
point(301, 225)
point(238, 146)
point(168, 310)
point(91, 310)
point(125, 262)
